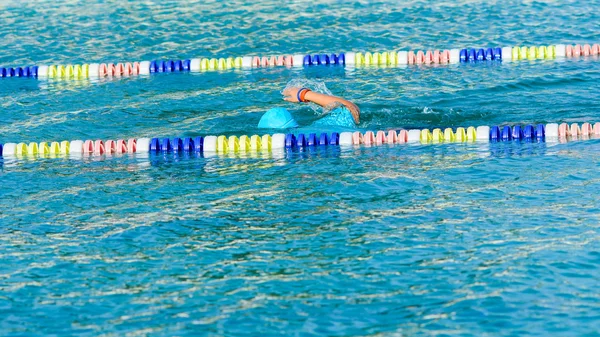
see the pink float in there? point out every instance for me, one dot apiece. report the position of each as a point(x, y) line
point(392, 137)
point(569, 51)
point(88, 146)
point(420, 57)
point(369, 138)
point(121, 146)
point(131, 145)
point(380, 138)
point(563, 130)
point(411, 57)
point(436, 57)
point(103, 70)
point(132, 69)
point(445, 57)
point(428, 57)
point(586, 129)
point(99, 147)
point(403, 136)
point(265, 61)
point(110, 146)
point(575, 131)
point(587, 50)
point(120, 69)
point(357, 138)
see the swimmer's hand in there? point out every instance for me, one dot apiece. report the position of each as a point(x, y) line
point(291, 95)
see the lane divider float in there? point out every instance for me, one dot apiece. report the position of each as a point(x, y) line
point(281, 142)
point(389, 58)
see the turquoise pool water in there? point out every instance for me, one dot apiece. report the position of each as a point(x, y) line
point(453, 239)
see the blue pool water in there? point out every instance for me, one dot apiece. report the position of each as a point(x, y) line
point(452, 239)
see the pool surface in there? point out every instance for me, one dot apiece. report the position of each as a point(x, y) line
point(451, 239)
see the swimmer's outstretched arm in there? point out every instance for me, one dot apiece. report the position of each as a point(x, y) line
point(291, 95)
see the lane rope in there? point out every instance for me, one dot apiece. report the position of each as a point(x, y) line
point(387, 59)
point(281, 142)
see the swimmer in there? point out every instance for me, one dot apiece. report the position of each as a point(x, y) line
point(339, 112)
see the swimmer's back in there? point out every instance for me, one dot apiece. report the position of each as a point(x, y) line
point(339, 116)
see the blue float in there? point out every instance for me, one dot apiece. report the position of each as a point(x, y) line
point(188, 145)
point(333, 59)
point(323, 139)
point(472, 55)
point(529, 132)
point(316, 60)
point(312, 139)
point(290, 141)
point(498, 53)
point(199, 144)
point(301, 140)
point(177, 145)
point(177, 65)
point(154, 145)
point(540, 132)
point(463, 55)
point(307, 60)
point(480, 56)
point(489, 54)
point(153, 67)
point(517, 132)
point(335, 139)
point(165, 145)
point(169, 66)
point(506, 133)
point(494, 133)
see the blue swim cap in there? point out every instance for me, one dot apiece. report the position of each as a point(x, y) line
point(277, 118)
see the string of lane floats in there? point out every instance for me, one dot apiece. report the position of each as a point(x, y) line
point(391, 58)
point(282, 142)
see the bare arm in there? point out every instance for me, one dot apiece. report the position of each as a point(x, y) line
point(291, 95)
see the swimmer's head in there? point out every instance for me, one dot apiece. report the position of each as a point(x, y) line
point(277, 118)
